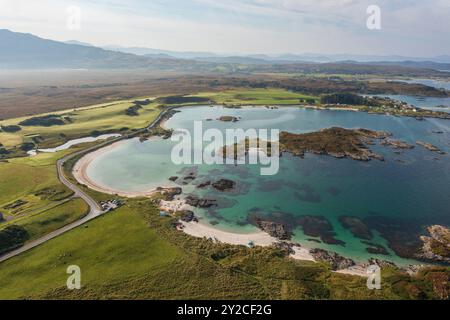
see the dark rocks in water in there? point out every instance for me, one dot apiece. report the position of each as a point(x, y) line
point(313, 240)
point(381, 263)
point(319, 226)
point(356, 227)
point(430, 147)
point(228, 119)
point(375, 248)
point(173, 178)
point(200, 203)
point(204, 184)
point(224, 185)
point(402, 234)
point(188, 216)
point(397, 144)
point(336, 261)
point(308, 194)
point(276, 230)
point(334, 191)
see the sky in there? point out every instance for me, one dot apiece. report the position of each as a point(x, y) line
point(414, 28)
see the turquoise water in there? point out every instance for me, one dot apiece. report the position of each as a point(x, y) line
point(412, 186)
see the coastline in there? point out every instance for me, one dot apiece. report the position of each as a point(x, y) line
point(79, 172)
point(200, 230)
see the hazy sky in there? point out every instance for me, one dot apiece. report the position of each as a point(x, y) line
point(408, 27)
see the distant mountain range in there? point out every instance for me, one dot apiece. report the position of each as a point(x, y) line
point(280, 58)
point(23, 50)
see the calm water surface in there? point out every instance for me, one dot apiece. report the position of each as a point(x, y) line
point(412, 185)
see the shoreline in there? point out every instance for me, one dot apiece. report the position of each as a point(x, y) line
point(259, 238)
point(197, 229)
point(79, 172)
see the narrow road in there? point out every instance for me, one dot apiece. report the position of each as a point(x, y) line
point(94, 209)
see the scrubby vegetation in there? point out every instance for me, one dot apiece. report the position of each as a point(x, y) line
point(133, 110)
point(183, 99)
point(44, 121)
point(12, 237)
point(10, 128)
point(344, 98)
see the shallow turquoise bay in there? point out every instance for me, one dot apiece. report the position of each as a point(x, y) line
point(412, 186)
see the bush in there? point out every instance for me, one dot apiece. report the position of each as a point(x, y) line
point(12, 237)
point(11, 128)
point(44, 121)
point(344, 98)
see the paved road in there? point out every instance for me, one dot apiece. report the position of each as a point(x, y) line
point(94, 209)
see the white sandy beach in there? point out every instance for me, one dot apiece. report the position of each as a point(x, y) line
point(80, 174)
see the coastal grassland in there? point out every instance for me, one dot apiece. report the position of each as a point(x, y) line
point(133, 253)
point(258, 97)
point(31, 180)
point(83, 122)
point(49, 219)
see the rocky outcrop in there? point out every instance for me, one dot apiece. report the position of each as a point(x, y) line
point(170, 193)
point(276, 230)
point(397, 144)
point(197, 202)
point(375, 248)
point(224, 185)
point(382, 263)
point(319, 226)
point(430, 147)
point(356, 226)
point(336, 261)
point(336, 142)
point(188, 216)
point(436, 247)
point(228, 119)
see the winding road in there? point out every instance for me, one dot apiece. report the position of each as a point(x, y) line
point(94, 209)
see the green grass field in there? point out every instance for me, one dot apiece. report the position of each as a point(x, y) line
point(258, 97)
point(23, 178)
point(107, 117)
point(112, 248)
